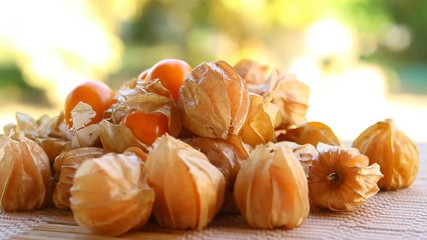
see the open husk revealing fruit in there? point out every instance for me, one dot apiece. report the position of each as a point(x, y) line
point(214, 100)
point(25, 177)
point(271, 188)
point(117, 137)
point(149, 103)
point(341, 178)
point(110, 194)
point(394, 151)
point(66, 165)
point(189, 189)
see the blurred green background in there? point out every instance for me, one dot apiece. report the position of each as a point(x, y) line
point(47, 47)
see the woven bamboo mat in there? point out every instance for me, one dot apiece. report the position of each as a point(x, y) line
point(398, 214)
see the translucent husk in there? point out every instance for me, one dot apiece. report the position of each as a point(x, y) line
point(271, 188)
point(312, 133)
point(289, 94)
point(83, 133)
point(149, 103)
point(25, 179)
point(393, 150)
point(189, 189)
point(66, 165)
point(53, 146)
point(110, 194)
point(255, 75)
point(117, 137)
point(341, 178)
point(214, 100)
point(43, 127)
point(50, 133)
point(259, 125)
point(227, 157)
point(141, 86)
point(292, 97)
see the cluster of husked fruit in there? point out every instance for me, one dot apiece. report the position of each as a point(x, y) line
point(186, 144)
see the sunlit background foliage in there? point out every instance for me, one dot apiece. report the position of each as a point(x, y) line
point(365, 60)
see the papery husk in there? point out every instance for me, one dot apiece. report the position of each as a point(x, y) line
point(255, 75)
point(189, 189)
point(305, 153)
point(117, 137)
point(292, 98)
point(50, 133)
point(341, 178)
point(153, 86)
point(141, 86)
point(214, 100)
point(150, 103)
point(290, 95)
point(66, 164)
point(129, 84)
point(25, 179)
point(53, 146)
point(110, 195)
point(227, 158)
point(88, 136)
point(312, 133)
point(43, 127)
point(134, 88)
point(393, 150)
point(138, 152)
point(84, 134)
point(259, 125)
point(271, 188)
point(241, 148)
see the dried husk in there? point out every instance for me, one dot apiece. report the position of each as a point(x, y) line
point(189, 189)
point(66, 165)
point(341, 178)
point(138, 152)
point(53, 146)
point(153, 86)
point(129, 84)
point(25, 176)
point(138, 87)
point(150, 103)
point(50, 133)
point(228, 159)
point(255, 75)
point(88, 136)
point(305, 153)
point(259, 125)
point(312, 133)
point(393, 150)
point(214, 100)
point(271, 188)
point(44, 127)
point(292, 98)
point(84, 133)
point(117, 137)
point(110, 194)
point(289, 94)
point(240, 147)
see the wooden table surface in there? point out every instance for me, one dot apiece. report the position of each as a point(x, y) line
point(398, 214)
